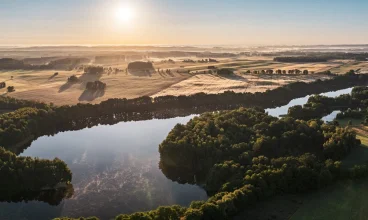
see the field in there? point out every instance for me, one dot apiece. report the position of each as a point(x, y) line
point(42, 86)
point(344, 200)
point(361, 67)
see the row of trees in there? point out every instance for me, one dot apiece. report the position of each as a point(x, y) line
point(209, 60)
point(301, 59)
point(63, 63)
point(95, 70)
point(10, 103)
point(279, 72)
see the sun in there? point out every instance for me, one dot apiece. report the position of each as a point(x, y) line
point(125, 14)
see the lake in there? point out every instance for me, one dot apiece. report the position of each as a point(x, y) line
point(115, 169)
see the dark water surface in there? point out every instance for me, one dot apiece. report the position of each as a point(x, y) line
point(115, 169)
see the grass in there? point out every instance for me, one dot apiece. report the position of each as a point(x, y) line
point(345, 200)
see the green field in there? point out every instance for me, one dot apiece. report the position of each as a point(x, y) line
point(345, 200)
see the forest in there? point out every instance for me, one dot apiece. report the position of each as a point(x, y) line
point(219, 146)
point(27, 179)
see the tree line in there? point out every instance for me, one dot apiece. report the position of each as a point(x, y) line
point(63, 63)
point(300, 59)
point(279, 72)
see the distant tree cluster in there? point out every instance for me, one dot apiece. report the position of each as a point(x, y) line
point(171, 61)
point(139, 65)
point(95, 70)
point(63, 63)
point(96, 85)
point(279, 72)
point(11, 88)
point(325, 55)
point(2, 85)
point(73, 79)
point(209, 60)
point(188, 61)
point(225, 71)
point(300, 59)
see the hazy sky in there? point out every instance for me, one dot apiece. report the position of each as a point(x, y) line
point(195, 22)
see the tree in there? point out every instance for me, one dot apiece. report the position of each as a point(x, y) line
point(11, 89)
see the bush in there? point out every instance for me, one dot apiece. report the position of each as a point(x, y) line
point(11, 89)
point(226, 71)
point(96, 85)
point(94, 70)
point(73, 79)
point(140, 66)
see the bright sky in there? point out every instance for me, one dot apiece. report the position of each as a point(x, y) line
point(184, 22)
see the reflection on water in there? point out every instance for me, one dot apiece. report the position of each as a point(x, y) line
point(115, 170)
point(283, 110)
point(331, 116)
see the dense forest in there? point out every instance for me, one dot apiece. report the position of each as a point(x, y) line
point(52, 196)
point(210, 144)
point(26, 178)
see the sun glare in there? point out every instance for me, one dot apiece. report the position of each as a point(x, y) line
point(125, 14)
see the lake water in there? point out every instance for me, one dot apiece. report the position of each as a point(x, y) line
point(115, 169)
point(279, 111)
